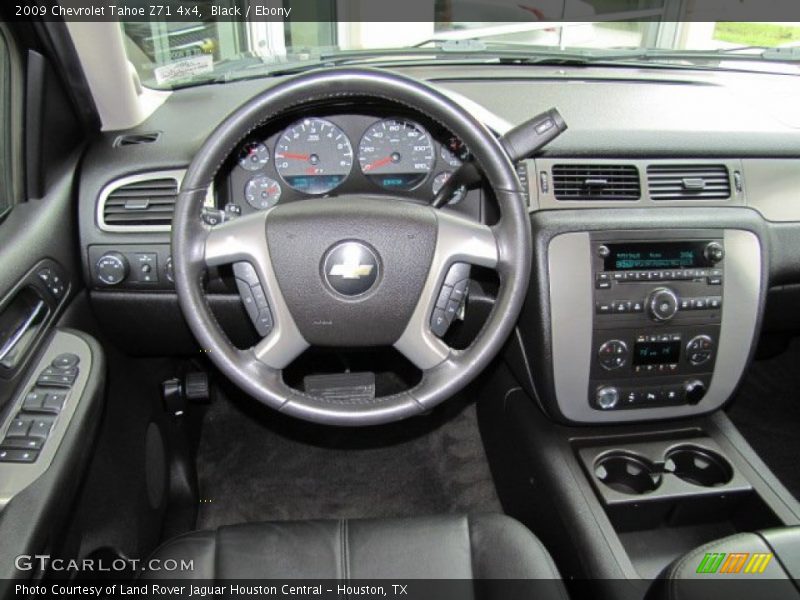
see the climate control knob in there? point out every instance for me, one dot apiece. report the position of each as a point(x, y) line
point(112, 268)
point(607, 397)
point(662, 304)
point(694, 391)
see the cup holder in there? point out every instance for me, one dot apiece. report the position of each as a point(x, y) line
point(698, 466)
point(627, 473)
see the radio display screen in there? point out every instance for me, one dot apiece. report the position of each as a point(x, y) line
point(637, 256)
point(656, 353)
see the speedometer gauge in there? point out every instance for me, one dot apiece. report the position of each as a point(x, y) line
point(396, 154)
point(313, 156)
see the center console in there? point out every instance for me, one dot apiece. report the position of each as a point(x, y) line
point(657, 314)
point(650, 323)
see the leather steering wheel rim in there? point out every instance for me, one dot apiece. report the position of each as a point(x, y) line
point(506, 247)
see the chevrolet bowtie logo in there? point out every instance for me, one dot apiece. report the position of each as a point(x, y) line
point(351, 270)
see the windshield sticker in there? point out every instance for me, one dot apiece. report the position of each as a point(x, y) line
point(183, 68)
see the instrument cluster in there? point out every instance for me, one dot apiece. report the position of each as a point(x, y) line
point(316, 156)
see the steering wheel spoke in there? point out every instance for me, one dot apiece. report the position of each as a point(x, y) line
point(243, 241)
point(460, 242)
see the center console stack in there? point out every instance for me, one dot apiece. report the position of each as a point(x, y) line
point(650, 323)
point(657, 313)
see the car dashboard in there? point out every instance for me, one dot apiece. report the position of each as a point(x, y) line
point(651, 166)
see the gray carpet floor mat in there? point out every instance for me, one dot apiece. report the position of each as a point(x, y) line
point(256, 465)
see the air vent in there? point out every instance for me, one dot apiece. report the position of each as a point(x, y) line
point(135, 139)
point(596, 182)
point(688, 182)
point(142, 203)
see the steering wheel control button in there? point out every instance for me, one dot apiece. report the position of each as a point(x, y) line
point(65, 361)
point(253, 297)
point(452, 298)
point(607, 397)
point(662, 304)
point(613, 354)
point(700, 349)
point(350, 269)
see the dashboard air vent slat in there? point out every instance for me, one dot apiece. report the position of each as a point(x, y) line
point(134, 139)
point(149, 202)
point(596, 182)
point(688, 182)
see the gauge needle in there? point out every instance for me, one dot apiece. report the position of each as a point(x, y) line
point(378, 163)
point(291, 156)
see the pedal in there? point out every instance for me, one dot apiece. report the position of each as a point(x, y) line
point(341, 386)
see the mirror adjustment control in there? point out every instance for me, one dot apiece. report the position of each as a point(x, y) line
point(607, 397)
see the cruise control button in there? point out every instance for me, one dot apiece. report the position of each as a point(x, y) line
point(259, 296)
point(439, 323)
point(460, 290)
point(264, 322)
point(444, 297)
point(451, 310)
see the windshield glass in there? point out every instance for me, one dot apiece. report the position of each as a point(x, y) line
point(168, 54)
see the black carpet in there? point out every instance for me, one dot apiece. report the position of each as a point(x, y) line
point(767, 412)
point(256, 465)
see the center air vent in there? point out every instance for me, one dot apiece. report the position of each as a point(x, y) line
point(688, 182)
point(141, 202)
point(596, 182)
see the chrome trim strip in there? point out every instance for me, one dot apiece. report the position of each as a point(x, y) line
point(176, 174)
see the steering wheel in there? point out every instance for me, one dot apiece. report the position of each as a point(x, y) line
point(351, 271)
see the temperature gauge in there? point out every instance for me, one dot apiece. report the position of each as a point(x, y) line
point(262, 192)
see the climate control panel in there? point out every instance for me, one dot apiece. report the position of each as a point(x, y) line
point(656, 325)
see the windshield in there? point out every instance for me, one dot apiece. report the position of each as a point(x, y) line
point(168, 54)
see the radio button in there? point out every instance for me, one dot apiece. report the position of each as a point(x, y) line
point(637, 306)
point(715, 302)
point(632, 397)
point(603, 308)
point(603, 251)
point(621, 306)
point(714, 280)
point(700, 304)
point(603, 285)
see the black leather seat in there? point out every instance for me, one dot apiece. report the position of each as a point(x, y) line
point(765, 564)
point(446, 547)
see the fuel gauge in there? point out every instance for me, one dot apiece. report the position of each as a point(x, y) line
point(262, 192)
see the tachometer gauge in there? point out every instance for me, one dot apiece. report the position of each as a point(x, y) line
point(262, 192)
point(313, 156)
point(254, 155)
point(440, 180)
point(396, 154)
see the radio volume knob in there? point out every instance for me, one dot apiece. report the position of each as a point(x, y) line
point(662, 304)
